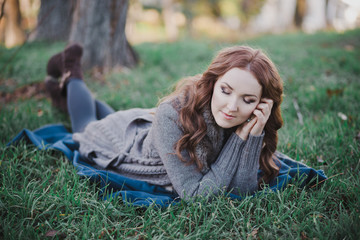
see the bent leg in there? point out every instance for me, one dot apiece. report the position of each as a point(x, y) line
point(81, 105)
point(102, 109)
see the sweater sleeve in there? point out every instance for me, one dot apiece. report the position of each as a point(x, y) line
point(186, 179)
point(245, 179)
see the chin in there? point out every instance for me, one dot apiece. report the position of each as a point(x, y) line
point(224, 124)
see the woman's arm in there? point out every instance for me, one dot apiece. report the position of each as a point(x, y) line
point(245, 179)
point(187, 180)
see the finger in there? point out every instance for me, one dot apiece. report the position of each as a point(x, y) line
point(260, 123)
point(263, 108)
point(268, 102)
point(259, 114)
point(244, 129)
point(261, 117)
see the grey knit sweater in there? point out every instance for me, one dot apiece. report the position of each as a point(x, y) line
point(139, 143)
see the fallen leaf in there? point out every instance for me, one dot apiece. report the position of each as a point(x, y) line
point(36, 90)
point(51, 233)
point(55, 233)
point(319, 159)
point(101, 234)
point(325, 45)
point(303, 236)
point(349, 47)
point(254, 232)
point(334, 92)
point(328, 72)
point(40, 113)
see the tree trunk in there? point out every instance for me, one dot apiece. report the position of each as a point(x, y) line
point(275, 16)
point(168, 13)
point(13, 32)
point(343, 15)
point(54, 20)
point(100, 27)
point(315, 16)
point(286, 15)
point(300, 12)
point(188, 6)
point(2, 21)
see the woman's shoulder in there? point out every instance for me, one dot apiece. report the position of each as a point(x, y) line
point(167, 109)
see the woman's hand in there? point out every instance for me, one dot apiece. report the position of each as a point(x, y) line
point(262, 114)
point(244, 129)
point(256, 125)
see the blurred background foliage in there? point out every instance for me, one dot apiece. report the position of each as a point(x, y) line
point(170, 20)
point(108, 29)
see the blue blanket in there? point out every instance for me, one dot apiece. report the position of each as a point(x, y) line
point(140, 193)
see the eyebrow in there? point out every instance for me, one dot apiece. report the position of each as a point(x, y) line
point(228, 86)
point(245, 95)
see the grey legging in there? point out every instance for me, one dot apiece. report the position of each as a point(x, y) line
point(82, 106)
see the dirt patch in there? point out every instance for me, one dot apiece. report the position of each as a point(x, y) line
point(34, 90)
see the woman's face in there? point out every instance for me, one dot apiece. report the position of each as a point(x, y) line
point(235, 96)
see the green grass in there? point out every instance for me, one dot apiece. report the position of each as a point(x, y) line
point(40, 190)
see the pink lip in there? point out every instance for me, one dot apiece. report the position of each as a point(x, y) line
point(227, 116)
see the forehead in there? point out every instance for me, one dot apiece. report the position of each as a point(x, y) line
point(241, 81)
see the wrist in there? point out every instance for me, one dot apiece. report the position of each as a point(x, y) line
point(256, 131)
point(262, 134)
point(242, 135)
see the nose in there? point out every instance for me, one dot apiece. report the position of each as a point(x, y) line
point(232, 106)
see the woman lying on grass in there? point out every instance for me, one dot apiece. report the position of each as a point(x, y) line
point(212, 134)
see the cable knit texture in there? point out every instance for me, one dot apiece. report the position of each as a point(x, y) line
point(139, 143)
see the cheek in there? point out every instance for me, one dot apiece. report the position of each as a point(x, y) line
point(216, 99)
point(213, 103)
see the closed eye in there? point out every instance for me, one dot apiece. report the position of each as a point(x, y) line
point(225, 91)
point(249, 101)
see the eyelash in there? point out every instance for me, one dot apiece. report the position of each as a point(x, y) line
point(223, 91)
point(227, 93)
point(248, 102)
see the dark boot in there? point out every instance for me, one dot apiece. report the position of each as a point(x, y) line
point(66, 64)
point(53, 90)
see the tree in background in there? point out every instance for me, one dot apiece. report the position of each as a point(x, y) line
point(168, 13)
point(11, 32)
point(249, 9)
point(54, 20)
point(299, 12)
point(226, 19)
point(97, 25)
point(100, 27)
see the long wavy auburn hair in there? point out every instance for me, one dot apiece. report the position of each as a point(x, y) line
point(195, 93)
